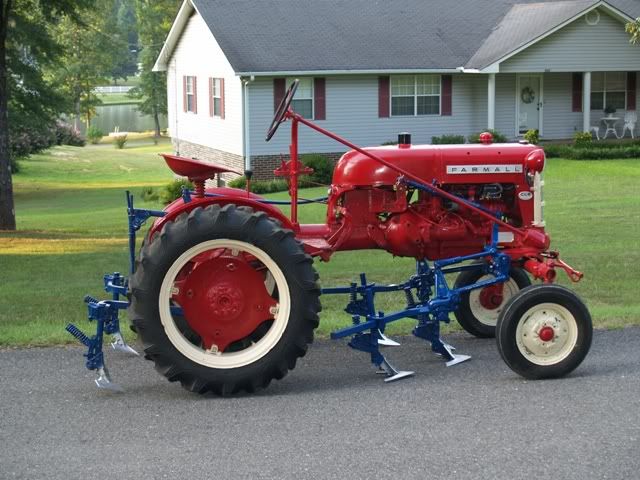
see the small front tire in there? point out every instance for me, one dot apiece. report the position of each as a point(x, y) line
point(479, 309)
point(544, 331)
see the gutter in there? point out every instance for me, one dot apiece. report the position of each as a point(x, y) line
point(344, 72)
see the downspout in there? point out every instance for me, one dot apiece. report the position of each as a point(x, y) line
point(246, 139)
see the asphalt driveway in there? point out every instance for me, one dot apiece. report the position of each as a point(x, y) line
point(330, 418)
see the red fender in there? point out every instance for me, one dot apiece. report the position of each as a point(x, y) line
point(227, 195)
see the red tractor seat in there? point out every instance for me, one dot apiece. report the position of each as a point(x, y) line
point(194, 169)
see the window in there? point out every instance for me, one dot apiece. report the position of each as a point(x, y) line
point(303, 101)
point(415, 95)
point(608, 90)
point(190, 94)
point(216, 97)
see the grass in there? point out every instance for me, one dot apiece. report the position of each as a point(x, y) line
point(72, 229)
point(117, 99)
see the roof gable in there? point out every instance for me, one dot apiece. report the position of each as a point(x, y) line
point(526, 24)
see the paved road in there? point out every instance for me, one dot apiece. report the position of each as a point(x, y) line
point(331, 418)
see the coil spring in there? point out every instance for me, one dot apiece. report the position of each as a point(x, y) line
point(79, 334)
point(90, 299)
point(411, 302)
point(353, 294)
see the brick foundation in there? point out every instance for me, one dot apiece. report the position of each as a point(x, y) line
point(208, 154)
point(262, 165)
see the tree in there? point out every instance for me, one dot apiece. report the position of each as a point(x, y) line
point(154, 22)
point(633, 28)
point(91, 49)
point(26, 97)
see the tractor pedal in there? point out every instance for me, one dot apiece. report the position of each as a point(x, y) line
point(390, 371)
point(385, 341)
point(104, 381)
point(120, 345)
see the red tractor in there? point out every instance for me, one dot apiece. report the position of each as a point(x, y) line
point(224, 296)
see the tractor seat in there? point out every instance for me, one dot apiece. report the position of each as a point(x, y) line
point(194, 169)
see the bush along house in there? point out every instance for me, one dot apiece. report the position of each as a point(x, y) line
point(369, 70)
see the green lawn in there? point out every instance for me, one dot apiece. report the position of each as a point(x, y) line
point(71, 216)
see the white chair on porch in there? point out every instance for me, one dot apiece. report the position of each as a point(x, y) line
point(630, 120)
point(595, 129)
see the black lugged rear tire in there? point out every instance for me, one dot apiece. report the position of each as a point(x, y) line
point(238, 224)
point(544, 306)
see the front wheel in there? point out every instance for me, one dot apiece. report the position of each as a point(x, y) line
point(224, 300)
point(479, 309)
point(545, 331)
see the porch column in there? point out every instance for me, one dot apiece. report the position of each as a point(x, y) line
point(491, 101)
point(586, 102)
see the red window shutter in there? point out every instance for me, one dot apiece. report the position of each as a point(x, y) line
point(279, 87)
point(446, 81)
point(319, 102)
point(211, 80)
point(184, 93)
point(383, 97)
point(195, 94)
point(576, 92)
point(631, 90)
point(222, 98)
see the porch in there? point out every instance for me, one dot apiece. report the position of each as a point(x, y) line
point(559, 104)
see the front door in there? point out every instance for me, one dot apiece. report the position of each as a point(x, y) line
point(529, 101)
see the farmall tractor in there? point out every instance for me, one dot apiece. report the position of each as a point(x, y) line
point(224, 296)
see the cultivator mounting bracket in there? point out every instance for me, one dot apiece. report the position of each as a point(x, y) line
point(429, 300)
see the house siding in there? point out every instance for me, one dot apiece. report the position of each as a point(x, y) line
point(579, 47)
point(198, 54)
point(352, 112)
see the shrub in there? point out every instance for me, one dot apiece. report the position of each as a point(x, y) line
point(13, 163)
point(532, 136)
point(447, 140)
point(582, 139)
point(260, 187)
point(173, 190)
point(497, 136)
point(67, 135)
point(120, 141)
point(592, 153)
point(149, 194)
point(94, 134)
point(390, 142)
point(322, 168)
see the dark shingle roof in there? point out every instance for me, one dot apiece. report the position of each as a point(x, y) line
point(325, 35)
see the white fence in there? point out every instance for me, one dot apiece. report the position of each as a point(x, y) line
point(112, 89)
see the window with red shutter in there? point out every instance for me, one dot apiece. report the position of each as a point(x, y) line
point(383, 97)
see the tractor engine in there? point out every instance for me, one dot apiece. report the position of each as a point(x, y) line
point(380, 212)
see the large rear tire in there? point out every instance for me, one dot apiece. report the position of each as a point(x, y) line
point(544, 331)
point(224, 300)
point(479, 309)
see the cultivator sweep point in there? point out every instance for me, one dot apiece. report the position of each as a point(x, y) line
point(224, 294)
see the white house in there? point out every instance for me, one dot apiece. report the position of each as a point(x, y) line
point(370, 69)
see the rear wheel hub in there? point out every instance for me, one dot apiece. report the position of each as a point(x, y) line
point(224, 299)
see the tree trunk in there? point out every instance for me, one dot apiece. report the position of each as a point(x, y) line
point(156, 119)
point(76, 118)
point(7, 210)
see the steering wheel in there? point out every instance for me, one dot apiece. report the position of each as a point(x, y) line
point(282, 109)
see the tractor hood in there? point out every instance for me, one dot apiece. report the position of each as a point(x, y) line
point(472, 163)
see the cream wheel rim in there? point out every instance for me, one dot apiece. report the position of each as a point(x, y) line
point(274, 279)
point(547, 334)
